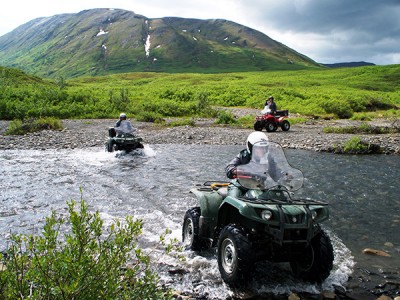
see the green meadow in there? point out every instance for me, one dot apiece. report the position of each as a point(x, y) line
point(357, 93)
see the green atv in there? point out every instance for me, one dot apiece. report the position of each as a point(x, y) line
point(122, 141)
point(254, 218)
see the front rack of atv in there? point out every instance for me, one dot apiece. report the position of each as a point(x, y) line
point(212, 185)
point(215, 185)
point(286, 202)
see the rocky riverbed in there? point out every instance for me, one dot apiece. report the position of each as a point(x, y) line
point(94, 133)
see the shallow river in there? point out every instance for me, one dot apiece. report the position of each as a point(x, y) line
point(363, 193)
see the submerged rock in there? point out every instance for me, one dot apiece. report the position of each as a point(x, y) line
point(375, 252)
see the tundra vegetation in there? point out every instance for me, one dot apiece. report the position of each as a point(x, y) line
point(358, 93)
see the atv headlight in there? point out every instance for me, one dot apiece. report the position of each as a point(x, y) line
point(266, 215)
point(314, 214)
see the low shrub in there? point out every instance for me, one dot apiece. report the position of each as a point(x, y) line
point(15, 128)
point(246, 121)
point(18, 127)
point(363, 128)
point(340, 108)
point(225, 117)
point(356, 146)
point(149, 117)
point(361, 117)
point(183, 122)
point(80, 263)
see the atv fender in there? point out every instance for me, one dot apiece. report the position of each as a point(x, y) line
point(232, 204)
point(280, 119)
point(210, 201)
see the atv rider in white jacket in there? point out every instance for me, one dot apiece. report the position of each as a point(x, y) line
point(123, 125)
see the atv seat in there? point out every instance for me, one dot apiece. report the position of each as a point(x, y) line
point(282, 113)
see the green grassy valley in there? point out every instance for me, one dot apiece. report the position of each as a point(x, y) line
point(358, 93)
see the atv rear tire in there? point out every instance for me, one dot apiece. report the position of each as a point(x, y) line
point(285, 125)
point(271, 126)
point(258, 126)
point(317, 260)
point(110, 146)
point(234, 256)
point(190, 230)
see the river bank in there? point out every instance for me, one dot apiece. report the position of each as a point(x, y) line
point(94, 133)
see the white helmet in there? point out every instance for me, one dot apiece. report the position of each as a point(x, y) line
point(122, 115)
point(255, 137)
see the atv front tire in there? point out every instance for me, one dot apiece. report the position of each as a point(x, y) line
point(258, 126)
point(190, 230)
point(110, 146)
point(285, 125)
point(234, 256)
point(271, 126)
point(317, 260)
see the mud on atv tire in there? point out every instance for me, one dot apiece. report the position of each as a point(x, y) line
point(190, 230)
point(234, 256)
point(317, 260)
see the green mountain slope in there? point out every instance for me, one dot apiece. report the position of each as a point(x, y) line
point(106, 41)
point(15, 78)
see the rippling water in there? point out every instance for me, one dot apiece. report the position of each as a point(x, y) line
point(362, 192)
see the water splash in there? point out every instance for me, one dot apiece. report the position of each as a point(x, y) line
point(154, 185)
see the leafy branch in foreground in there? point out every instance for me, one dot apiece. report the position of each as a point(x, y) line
point(82, 263)
point(172, 246)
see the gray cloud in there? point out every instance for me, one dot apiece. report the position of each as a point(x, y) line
point(340, 29)
point(323, 15)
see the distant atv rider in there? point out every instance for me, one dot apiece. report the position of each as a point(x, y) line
point(122, 126)
point(270, 105)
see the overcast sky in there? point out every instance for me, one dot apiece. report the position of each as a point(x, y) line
point(327, 31)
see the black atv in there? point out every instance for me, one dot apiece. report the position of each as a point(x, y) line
point(122, 141)
point(258, 220)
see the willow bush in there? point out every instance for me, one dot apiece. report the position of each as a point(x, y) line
point(82, 261)
point(356, 145)
point(21, 127)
